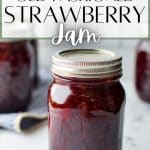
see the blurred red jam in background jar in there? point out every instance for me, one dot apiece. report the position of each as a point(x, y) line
point(16, 68)
point(15, 75)
point(143, 70)
point(86, 101)
point(36, 68)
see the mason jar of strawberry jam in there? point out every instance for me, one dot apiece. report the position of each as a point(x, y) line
point(143, 70)
point(15, 75)
point(86, 101)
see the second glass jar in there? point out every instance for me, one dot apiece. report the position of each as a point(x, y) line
point(16, 73)
point(143, 70)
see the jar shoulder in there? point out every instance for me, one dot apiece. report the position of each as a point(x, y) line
point(108, 97)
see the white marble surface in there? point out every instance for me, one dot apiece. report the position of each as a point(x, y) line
point(136, 128)
point(137, 121)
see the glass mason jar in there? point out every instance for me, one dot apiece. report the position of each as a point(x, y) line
point(15, 75)
point(86, 101)
point(143, 70)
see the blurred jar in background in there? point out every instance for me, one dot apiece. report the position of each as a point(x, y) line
point(143, 70)
point(35, 51)
point(15, 75)
point(16, 68)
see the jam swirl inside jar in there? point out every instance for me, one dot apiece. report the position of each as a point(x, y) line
point(86, 110)
point(15, 75)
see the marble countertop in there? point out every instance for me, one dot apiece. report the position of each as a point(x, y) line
point(136, 128)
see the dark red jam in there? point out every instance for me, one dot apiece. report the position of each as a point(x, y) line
point(143, 71)
point(35, 50)
point(86, 114)
point(15, 75)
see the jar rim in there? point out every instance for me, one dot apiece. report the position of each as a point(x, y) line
point(87, 63)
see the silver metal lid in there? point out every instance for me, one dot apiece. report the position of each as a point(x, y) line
point(87, 63)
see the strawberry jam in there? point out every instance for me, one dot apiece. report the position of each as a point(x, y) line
point(15, 75)
point(143, 70)
point(86, 101)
